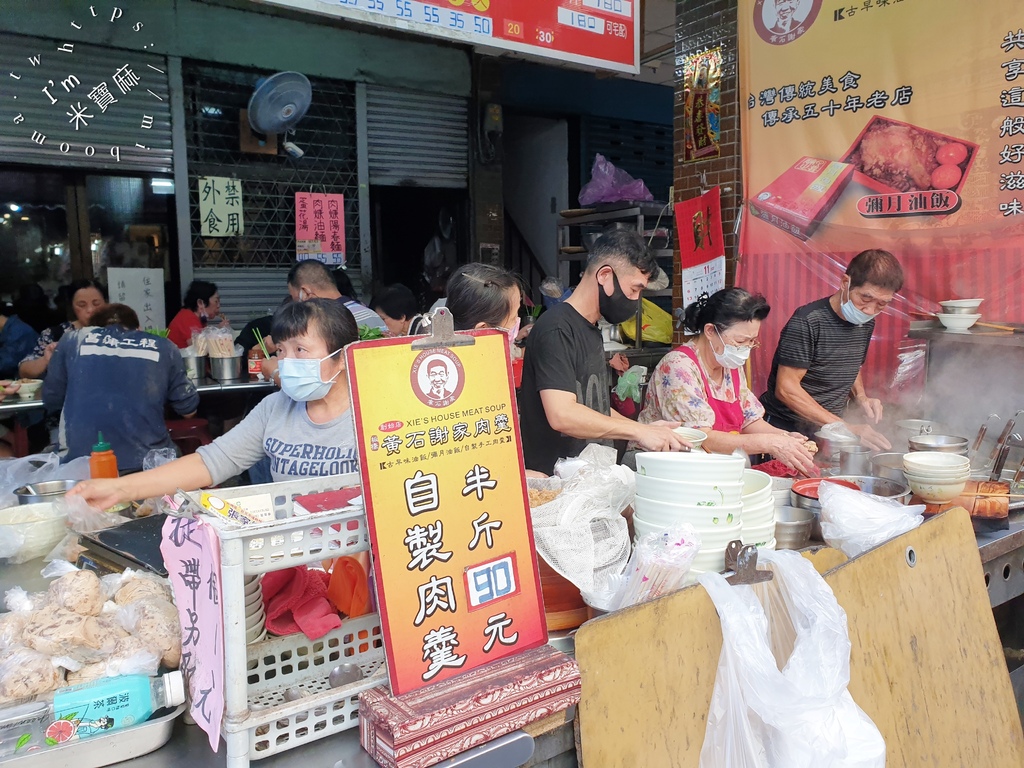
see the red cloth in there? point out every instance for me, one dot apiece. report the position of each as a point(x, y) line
point(181, 327)
point(295, 600)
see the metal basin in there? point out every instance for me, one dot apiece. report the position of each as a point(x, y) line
point(792, 527)
point(878, 486)
point(940, 443)
point(889, 466)
point(35, 493)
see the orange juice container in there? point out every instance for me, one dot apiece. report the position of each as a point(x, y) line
point(102, 462)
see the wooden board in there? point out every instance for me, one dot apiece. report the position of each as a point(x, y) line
point(926, 662)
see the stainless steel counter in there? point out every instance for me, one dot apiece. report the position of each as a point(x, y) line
point(984, 336)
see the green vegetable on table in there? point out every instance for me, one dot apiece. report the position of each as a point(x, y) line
point(366, 333)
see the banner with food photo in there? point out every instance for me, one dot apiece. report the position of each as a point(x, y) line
point(895, 124)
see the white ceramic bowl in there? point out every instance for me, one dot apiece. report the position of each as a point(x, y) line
point(665, 513)
point(28, 388)
point(708, 560)
point(710, 538)
point(756, 485)
point(758, 536)
point(694, 437)
point(694, 467)
point(252, 584)
point(758, 515)
point(960, 306)
point(947, 476)
point(934, 461)
point(256, 634)
point(958, 322)
point(771, 545)
point(936, 493)
point(698, 494)
point(252, 601)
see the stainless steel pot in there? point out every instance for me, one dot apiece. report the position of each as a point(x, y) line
point(889, 466)
point(910, 427)
point(36, 493)
point(878, 486)
point(940, 443)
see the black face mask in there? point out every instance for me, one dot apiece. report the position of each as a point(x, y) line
point(618, 307)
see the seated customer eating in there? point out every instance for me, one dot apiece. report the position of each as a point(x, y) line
point(110, 377)
point(702, 384)
point(306, 429)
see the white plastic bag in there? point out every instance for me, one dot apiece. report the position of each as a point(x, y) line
point(854, 521)
point(780, 697)
point(582, 534)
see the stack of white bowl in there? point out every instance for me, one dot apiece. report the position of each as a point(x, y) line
point(703, 489)
point(758, 509)
point(936, 478)
point(255, 615)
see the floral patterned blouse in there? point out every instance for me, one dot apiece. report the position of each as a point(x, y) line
point(675, 392)
point(46, 339)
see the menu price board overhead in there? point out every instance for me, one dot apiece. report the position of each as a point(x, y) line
point(599, 33)
point(455, 567)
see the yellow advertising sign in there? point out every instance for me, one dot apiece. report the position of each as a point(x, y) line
point(446, 502)
point(915, 100)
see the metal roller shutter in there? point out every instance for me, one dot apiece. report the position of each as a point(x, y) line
point(141, 114)
point(247, 293)
point(416, 139)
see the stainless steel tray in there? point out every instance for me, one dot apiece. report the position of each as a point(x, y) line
point(99, 751)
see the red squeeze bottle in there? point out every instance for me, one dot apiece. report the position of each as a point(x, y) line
point(102, 462)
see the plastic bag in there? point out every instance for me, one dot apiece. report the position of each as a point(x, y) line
point(628, 385)
point(854, 521)
point(582, 534)
point(85, 519)
point(656, 324)
point(15, 473)
point(780, 697)
point(157, 458)
point(609, 184)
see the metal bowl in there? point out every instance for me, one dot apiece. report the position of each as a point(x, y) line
point(940, 443)
point(35, 493)
point(889, 466)
point(792, 527)
point(878, 486)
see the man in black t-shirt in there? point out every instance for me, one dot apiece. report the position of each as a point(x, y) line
point(564, 401)
point(816, 370)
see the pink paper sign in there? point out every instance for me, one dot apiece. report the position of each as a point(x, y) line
point(191, 552)
point(320, 227)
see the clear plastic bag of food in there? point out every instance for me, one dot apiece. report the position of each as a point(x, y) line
point(25, 673)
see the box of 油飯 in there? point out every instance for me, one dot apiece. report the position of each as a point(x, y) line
point(798, 200)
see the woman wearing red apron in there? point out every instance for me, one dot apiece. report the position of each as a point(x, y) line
point(702, 384)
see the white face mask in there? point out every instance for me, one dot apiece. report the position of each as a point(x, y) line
point(731, 356)
point(851, 313)
point(300, 378)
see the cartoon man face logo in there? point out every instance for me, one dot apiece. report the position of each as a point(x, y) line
point(782, 21)
point(437, 377)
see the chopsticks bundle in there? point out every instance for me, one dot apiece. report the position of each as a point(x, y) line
point(659, 565)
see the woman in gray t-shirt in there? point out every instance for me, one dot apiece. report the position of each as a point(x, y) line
point(306, 429)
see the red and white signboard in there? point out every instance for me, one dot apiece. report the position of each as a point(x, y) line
point(599, 33)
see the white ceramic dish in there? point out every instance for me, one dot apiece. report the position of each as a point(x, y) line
point(708, 560)
point(756, 485)
point(710, 538)
point(958, 322)
point(758, 516)
point(959, 306)
point(677, 491)
point(29, 388)
point(252, 585)
point(694, 467)
point(934, 461)
point(694, 437)
point(936, 493)
point(256, 634)
point(699, 516)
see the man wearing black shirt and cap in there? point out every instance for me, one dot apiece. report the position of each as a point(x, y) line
point(565, 398)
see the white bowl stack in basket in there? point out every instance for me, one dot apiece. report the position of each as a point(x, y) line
point(255, 615)
point(936, 478)
point(712, 492)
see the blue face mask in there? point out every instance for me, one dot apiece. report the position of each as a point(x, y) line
point(300, 378)
point(851, 313)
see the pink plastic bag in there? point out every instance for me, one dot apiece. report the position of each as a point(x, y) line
point(609, 184)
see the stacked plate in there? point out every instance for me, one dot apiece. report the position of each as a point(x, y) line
point(758, 502)
point(936, 478)
point(703, 489)
point(255, 616)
